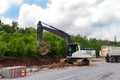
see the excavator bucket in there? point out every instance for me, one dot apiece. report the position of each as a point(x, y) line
point(45, 50)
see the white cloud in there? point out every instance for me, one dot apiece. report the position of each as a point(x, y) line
point(6, 4)
point(29, 14)
point(92, 18)
point(6, 20)
point(3, 6)
point(106, 33)
point(16, 2)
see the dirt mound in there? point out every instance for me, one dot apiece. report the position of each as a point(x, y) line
point(5, 62)
point(58, 65)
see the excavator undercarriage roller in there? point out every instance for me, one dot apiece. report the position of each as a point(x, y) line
point(85, 62)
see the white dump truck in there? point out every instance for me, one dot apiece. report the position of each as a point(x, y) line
point(110, 53)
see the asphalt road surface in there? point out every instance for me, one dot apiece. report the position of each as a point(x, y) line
point(109, 71)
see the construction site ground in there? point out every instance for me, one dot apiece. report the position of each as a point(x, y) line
point(36, 61)
point(37, 64)
point(58, 65)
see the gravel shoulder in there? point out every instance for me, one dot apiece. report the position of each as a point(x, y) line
point(57, 71)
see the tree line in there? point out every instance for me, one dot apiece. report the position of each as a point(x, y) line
point(22, 42)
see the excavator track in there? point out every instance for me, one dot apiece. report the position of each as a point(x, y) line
point(79, 62)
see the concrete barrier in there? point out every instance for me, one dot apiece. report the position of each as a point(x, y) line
point(12, 72)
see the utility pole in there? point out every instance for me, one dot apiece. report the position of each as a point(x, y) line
point(115, 40)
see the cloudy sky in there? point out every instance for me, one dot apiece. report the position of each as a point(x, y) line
point(92, 18)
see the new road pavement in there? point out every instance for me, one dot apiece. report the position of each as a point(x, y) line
point(103, 71)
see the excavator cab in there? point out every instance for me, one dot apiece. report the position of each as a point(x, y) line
point(71, 48)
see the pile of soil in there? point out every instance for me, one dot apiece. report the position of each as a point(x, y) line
point(59, 65)
point(6, 62)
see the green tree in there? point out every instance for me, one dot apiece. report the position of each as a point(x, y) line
point(3, 49)
point(21, 42)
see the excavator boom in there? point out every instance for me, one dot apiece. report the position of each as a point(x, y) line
point(53, 30)
point(43, 26)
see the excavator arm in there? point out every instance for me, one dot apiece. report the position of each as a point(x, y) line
point(53, 30)
point(71, 47)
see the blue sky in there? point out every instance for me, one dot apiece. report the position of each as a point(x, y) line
point(13, 11)
point(41, 3)
point(92, 18)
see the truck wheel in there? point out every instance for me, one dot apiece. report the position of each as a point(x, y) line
point(112, 59)
point(107, 58)
point(118, 59)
